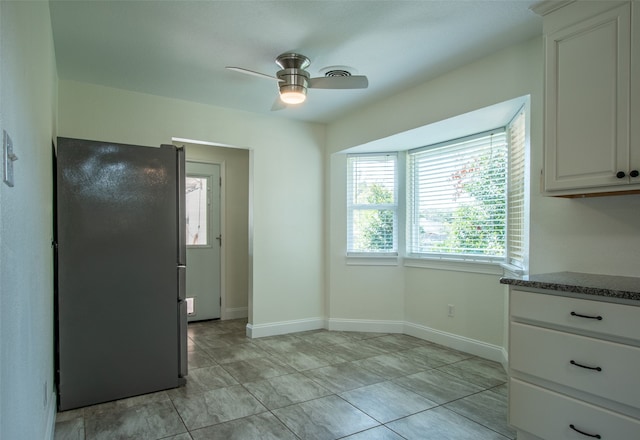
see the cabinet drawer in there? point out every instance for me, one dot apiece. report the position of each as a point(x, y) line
point(617, 320)
point(550, 415)
point(549, 354)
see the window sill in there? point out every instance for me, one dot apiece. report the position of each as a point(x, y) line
point(486, 268)
point(513, 271)
point(481, 267)
point(372, 260)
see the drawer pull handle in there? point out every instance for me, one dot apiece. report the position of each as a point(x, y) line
point(572, 362)
point(599, 318)
point(585, 433)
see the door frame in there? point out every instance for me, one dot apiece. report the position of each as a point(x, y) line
point(223, 299)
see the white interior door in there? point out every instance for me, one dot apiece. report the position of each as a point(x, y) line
point(204, 240)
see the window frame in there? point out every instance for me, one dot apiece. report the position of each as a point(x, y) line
point(384, 257)
point(517, 263)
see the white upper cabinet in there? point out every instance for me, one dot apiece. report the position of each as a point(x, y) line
point(592, 101)
point(634, 142)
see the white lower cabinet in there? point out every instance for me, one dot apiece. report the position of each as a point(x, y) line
point(573, 377)
point(603, 319)
point(591, 365)
point(554, 416)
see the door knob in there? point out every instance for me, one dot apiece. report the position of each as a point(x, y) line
point(621, 174)
point(634, 173)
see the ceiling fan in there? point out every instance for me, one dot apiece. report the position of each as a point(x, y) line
point(294, 80)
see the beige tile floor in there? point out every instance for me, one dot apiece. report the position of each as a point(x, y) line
point(311, 385)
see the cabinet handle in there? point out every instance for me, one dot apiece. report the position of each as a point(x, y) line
point(584, 433)
point(634, 173)
point(620, 174)
point(599, 318)
point(572, 362)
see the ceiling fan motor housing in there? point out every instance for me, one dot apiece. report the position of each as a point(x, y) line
point(292, 61)
point(293, 80)
point(293, 77)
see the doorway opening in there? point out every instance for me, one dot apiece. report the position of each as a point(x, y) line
point(232, 239)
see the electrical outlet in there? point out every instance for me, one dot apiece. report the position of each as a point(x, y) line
point(451, 310)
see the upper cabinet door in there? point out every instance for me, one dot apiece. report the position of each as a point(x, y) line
point(587, 89)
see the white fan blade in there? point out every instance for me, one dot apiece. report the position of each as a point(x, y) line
point(339, 82)
point(251, 72)
point(278, 104)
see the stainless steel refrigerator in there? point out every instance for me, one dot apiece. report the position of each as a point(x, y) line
point(120, 236)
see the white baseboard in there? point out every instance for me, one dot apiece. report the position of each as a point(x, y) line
point(457, 342)
point(236, 313)
point(284, 327)
point(51, 416)
point(365, 325)
point(505, 359)
point(481, 349)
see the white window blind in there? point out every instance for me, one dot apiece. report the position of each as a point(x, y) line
point(457, 198)
point(516, 195)
point(372, 203)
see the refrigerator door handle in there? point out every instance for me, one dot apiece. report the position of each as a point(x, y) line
point(182, 218)
point(182, 282)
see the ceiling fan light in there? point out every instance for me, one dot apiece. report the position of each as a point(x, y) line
point(293, 97)
point(293, 94)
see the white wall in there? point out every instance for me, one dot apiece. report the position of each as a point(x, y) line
point(594, 235)
point(27, 112)
point(287, 254)
point(469, 88)
point(235, 275)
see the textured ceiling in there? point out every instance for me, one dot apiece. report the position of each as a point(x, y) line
point(179, 49)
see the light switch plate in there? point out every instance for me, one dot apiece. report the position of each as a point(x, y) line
point(7, 158)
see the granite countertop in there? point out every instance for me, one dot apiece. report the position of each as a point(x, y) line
point(609, 286)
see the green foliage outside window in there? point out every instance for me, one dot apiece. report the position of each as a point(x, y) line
point(477, 225)
point(378, 224)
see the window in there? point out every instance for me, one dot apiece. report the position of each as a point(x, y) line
point(372, 204)
point(458, 198)
point(516, 202)
point(462, 201)
point(196, 209)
